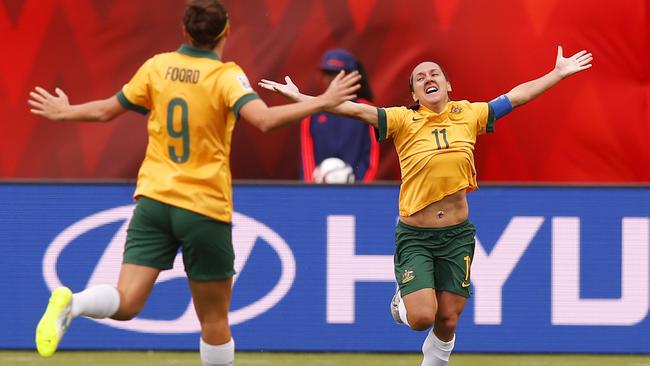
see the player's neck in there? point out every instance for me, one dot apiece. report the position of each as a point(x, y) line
point(437, 107)
point(220, 47)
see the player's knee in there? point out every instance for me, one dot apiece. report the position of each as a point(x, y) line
point(446, 321)
point(216, 326)
point(422, 320)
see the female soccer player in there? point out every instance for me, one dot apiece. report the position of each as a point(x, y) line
point(184, 193)
point(434, 139)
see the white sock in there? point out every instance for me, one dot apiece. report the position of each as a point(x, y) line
point(436, 352)
point(96, 302)
point(219, 355)
point(402, 311)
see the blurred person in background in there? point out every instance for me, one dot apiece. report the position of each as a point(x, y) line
point(184, 189)
point(435, 240)
point(346, 147)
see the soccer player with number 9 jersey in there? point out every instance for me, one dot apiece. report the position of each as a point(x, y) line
point(184, 189)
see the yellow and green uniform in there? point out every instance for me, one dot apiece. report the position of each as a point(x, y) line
point(436, 150)
point(194, 99)
point(436, 154)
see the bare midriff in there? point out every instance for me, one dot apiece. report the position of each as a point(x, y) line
point(450, 210)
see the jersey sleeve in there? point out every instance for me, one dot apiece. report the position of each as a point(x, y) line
point(237, 89)
point(484, 117)
point(390, 121)
point(136, 94)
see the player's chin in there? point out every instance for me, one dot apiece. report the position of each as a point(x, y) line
point(434, 98)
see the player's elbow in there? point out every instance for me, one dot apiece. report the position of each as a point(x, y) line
point(517, 99)
point(107, 110)
point(264, 127)
point(104, 115)
point(263, 123)
point(259, 115)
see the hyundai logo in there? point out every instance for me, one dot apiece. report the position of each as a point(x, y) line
point(246, 232)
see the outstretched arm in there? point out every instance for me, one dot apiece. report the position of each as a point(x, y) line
point(360, 111)
point(342, 88)
point(564, 66)
point(58, 107)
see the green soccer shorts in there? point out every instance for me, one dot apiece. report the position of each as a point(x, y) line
point(438, 258)
point(157, 231)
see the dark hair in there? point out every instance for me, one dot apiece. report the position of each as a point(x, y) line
point(416, 105)
point(365, 92)
point(205, 22)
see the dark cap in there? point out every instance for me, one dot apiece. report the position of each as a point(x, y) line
point(338, 59)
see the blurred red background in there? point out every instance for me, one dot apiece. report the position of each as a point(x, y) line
point(592, 128)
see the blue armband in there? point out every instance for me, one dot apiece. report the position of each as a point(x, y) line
point(501, 106)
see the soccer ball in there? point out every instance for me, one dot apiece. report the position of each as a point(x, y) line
point(333, 170)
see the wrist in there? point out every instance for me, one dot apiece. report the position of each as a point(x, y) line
point(65, 113)
point(300, 97)
point(556, 73)
point(321, 102)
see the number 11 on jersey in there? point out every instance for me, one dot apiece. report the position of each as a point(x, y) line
point(442, 132)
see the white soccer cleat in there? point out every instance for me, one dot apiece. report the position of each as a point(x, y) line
point(55, 321)
point(394, 306)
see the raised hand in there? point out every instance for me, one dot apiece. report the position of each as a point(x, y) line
point(289, 90)
point(342, 88)
point(47, 105)
point(570, 65)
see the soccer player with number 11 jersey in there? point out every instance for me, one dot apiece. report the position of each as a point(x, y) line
point(434, 139)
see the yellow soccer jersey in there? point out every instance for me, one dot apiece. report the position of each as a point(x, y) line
point(194, 100)
point(436, 151)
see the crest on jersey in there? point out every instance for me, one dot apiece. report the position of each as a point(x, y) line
point(243, 81)
point(407, 276)
point(456, 109)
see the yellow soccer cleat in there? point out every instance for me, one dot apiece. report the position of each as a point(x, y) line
point(55, 321)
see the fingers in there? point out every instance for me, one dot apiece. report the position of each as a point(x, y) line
point(268, 82)
point(352, 75)
point(290, 82)
point(352, 89)
point(35, 104)
point(585, 62)
point(559, 51)
point(47, 105)
point(43, 92)
point(60, 93)
point(350, 79)
point(343, 77)
point(268, 85)
point(587, 58)
point(350, 97)
point(337, 79)
point(37, 97)
point(577, 55)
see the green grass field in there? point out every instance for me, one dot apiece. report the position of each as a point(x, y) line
point(15, 358)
